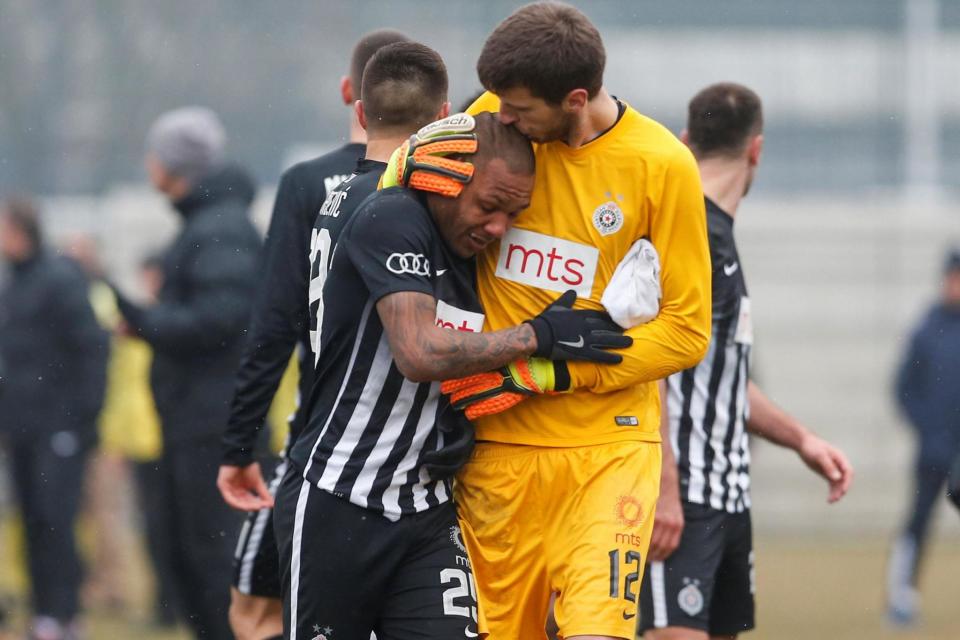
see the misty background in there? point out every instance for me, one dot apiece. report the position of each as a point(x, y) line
point(842, 238)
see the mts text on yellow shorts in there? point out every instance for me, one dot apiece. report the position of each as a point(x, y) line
point(572, 521)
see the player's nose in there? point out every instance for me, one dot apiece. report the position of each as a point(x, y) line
point(497, 225)
point(506, 117)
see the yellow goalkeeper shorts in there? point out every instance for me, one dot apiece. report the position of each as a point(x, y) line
point(571, 521)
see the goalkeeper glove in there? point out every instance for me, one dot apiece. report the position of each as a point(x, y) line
point(485, 394)
point(567, 334)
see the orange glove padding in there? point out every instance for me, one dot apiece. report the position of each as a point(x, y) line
point(485, 394)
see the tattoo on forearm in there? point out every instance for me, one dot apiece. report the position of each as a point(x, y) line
point(419, 345)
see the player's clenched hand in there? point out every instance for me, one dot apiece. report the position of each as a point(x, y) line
point(567, 334)
point(458, 441)
point(829, 462)
point(485, 394)
point(243, 488)
point(667, 521)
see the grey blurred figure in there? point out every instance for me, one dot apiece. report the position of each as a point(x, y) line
point(928, 392)
point(196, 329)
point(55, 360)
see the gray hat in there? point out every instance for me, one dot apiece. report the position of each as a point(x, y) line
point(188, 141)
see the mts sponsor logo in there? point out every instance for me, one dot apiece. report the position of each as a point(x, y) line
point(546, 262)
point(450, 317)
point(630, 539)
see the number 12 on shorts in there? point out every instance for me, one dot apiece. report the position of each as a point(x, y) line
point(631, 559)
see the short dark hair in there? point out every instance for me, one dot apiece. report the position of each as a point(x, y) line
point(366, 46)
point(547, 47)
point(952, 262)
point(404, 86)
point(722, 118)
point(497, 140)
point(23, 213)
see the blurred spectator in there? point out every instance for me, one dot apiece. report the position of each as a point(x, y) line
point(953, 485)
point(134, 412)
point(196, 329)
point(928, 390)
point(56, 355)
point(107, 485)
point(129, 449)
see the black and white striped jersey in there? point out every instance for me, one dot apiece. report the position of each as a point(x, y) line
point(368, 427)
point(278, 322)
point(707, 404)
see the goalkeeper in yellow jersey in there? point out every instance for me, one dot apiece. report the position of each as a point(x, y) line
point(559, 495)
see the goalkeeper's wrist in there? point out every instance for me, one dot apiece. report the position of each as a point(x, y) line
point(561, 376)
point(539, 375)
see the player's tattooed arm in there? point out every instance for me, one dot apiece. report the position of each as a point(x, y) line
point(425, 352)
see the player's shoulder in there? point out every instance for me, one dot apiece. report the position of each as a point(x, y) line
point(718, 220)
point(394, 208)
point(329, 169)
point(652, 140)
point(365, 177)
point(486, 101)
point(719, 232)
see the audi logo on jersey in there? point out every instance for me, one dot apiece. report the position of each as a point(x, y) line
point(547, 262)
point(413, 263)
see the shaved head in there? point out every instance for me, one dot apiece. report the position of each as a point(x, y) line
point(497, 140)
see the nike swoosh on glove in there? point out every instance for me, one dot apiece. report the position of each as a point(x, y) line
point(564, 333)
point(485, 394)
point(458, 441)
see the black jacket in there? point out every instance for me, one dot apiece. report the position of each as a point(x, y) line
point(53, 351)
point(928, 384)
point(198, 325)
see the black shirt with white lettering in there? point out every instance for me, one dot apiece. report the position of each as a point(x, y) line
point(707, 404)
point(340, 205)
point(279, 319)
point(368, 426)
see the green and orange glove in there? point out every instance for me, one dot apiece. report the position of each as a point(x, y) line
point(485, 394)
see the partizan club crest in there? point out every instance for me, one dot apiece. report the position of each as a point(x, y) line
point(690, 598)
point(608, 218)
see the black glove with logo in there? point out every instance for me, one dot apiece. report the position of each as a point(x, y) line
point(567, 334)
point(458, 441)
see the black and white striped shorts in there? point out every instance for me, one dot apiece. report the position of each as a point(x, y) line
point(256, 564)
point(707, 583)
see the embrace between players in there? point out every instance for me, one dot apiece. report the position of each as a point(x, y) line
point(455, 253)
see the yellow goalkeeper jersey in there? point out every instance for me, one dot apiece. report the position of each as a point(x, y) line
point(589, 205)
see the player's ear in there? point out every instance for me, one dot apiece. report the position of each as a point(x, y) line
point(575, 100)
point(685, 137)
point(361, 114)
point(754, 150)
point(444, 111)
point(346, 90)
